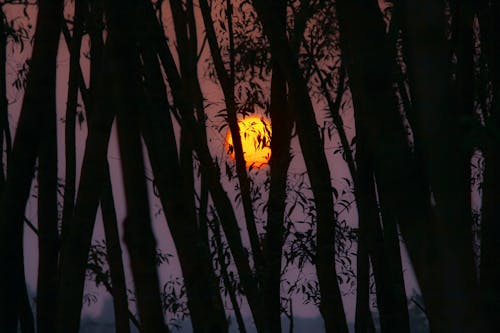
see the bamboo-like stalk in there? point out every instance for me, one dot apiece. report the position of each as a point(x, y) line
point(38, 109)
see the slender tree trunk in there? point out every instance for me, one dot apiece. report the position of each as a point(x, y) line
point(71, 109)
point(190, 75)
point(451, 296)
point(490, 228)
point(38, 106)
point(394, 300)
point(139, 236)
point(331, 306)
point(367, 214)
point(362, 284)
point(93, 176)
point(225, 276)
point(371, 241)
point(47, 194)
point(368, 62)
point(203, 297)
point(219, 196)
point(463, 91)
point(5, 137)
point(204, 301)
point(114, 252)
point(227, 83)
point(114, 257)
point(282, 123)
point(366, 201)
point(267, 320)
point(48, 237)
point(118, 289)
point(26, 320)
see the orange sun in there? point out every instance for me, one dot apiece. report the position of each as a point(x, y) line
point(255, 135)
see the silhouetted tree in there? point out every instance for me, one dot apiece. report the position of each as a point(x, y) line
point(204, 301)
point(38, 109)
point(488, 15)
point(441, 138)
point(92, 180)
point(312, 148)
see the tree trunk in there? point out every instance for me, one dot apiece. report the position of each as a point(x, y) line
point(78, 236)
point(282, 123)
point(490, 228)
point(231, 290)
point(331, 306)
point(139, 236)
point(26, 321)
point(47, 195)
point(389, 273)
point(118, 288)
point(367, 217)
point(204, 301)
point(5, 136)
point(219, 196)
point(38, 106)
point(450, 290)
point(227, 84)
point(367, 55)
point(48, 237)
point(463, 89)
point(71, 109)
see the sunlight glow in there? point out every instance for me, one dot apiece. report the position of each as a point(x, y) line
point(256, 141)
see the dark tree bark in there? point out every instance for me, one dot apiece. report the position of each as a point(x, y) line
point(114, 257)
point(139, 236)
point(227, 83)
point(71, 109)
point(47, 194)
point(220, 198)
point(38, 106)
point(463, 87)
point(207, 313)
point(367, 216)
point(173, 175)
point(26, 321)
point(282, 123)
point(78, 236)
point(275, 229)
point(331, 306)
point(490, 228)
point(451, 293)
point(268, 264)
point(48, 237)
point(5, 136)
point(231, 290)
point(118, 288)
point(389, 271)
point(368, 61)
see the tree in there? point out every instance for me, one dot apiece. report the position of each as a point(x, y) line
point(38, 108)
point(312, 147)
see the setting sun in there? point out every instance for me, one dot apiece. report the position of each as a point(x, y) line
point(256, 141)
